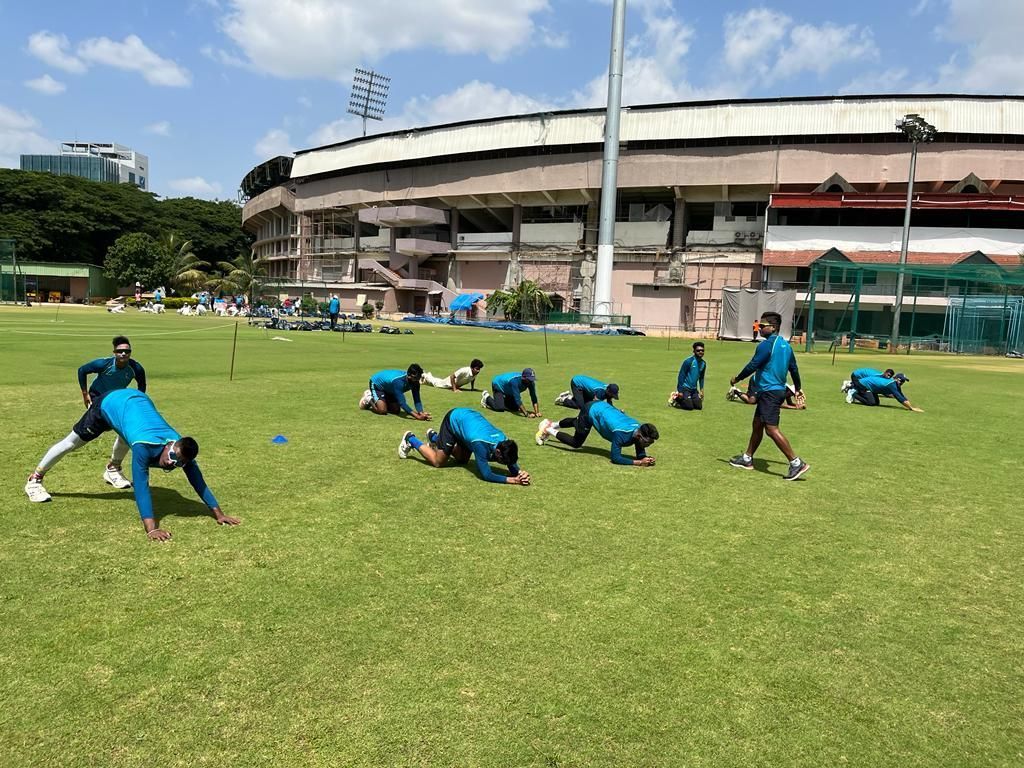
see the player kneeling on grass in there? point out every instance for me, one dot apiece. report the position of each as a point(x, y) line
point(464, 433)
point(583, 389)
point(506, 393)
point(869, 389)
point(612, 424)
point(689, 394)
point(132, 415)
point(387, 393)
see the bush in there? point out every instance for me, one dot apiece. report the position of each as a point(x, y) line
point(367, 310)
point(172, 302)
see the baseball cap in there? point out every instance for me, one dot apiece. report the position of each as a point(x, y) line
point(900, 377)
point(611, 391)
point(529, 374)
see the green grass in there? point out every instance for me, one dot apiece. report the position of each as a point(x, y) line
point(373, 611)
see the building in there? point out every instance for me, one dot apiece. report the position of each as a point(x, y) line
point(93, 160)
point(711, 194)
point(42, 281)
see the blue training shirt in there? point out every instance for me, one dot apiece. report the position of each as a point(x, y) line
point(395, 383)
point(334, 306)
point(109, 377)
point(863, 373)
point(134, 417)
point(511, 385)
point(615, 427)
point(773, 358)
point(588, 384)
point(691, 374)
point(480, 437)
point(883, 386)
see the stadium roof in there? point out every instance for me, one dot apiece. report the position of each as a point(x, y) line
point(855, 118)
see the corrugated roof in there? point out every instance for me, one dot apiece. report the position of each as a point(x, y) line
point(850, 115)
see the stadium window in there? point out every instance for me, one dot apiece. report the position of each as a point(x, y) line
point(702, 216)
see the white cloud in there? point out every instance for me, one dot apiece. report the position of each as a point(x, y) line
point(275, 142)
point(894, 80)
point(751, 37)
point(47, 85)
point(223, 57)
point(19, 135)
point(54, 50)
point(159, 128)
point(992, 61)
point(195, 186)
point(327, 38)
point(131, 54)
point(305, 101)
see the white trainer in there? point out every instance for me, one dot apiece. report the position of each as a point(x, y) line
point(366, 400)
point(115, 478)
point(483, 398)
point(405, 446)
point(35, 491)
point(542, 432)
point(847, 385)
point(849, 395)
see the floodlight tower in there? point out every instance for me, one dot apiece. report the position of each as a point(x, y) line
point(917, 130)
point(369, 95)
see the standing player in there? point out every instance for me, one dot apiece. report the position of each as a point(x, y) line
point(112, 373)
point(387, 393)
point(506, 392)
point(464, 433)
point(870, 388)
point(612, 424)
point(333, 308)
point(794, 401)
point(689, 394)
point(583, 389)
point(153, 444)
point(458, 380)
point(772, 359)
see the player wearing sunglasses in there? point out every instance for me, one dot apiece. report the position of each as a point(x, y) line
point(153, 442)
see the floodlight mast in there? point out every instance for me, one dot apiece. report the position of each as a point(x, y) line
point(369, 95)
point(917, 130)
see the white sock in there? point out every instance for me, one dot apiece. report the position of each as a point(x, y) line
point(552, 430)
point(747, 457)
point(796, 462)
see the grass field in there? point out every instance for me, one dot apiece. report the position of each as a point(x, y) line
point(371, 611)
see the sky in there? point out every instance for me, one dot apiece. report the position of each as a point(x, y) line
point(210, 88)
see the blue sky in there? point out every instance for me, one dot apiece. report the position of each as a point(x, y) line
point(210, 88)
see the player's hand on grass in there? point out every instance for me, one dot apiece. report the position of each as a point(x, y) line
point(917, 410)
point(523, 478)
point(646, 461)
point(422, 416)
point(223, 519)
point(158, 534)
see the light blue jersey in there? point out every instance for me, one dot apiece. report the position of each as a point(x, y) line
point(134, 417)
point(588, 384)
point(691, 374)
point(109, 377)
point(774, 359)
point(481, 437)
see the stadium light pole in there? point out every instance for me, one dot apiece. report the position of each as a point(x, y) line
point(917, 130)
point(610, 169)
point(369, 95)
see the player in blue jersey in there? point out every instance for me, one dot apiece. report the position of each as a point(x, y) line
point(870, 388)
point(689, 394)
point(387, 393)
point(465, 433)
point(794, 401)
point(612, 424)
point(153, 443)
point(583, 389)
point(773, 360)
point(862, 373)
point(112, 373)
point(506, 393)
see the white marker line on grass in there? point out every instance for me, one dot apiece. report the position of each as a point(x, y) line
point(138, 335)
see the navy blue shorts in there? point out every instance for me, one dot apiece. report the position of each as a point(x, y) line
point(93, 423)
point(769, 404)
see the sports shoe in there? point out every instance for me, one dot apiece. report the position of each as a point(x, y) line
point(846, 386)
point(366, 400)
point(732, 394)
point(563, 398)
point(542, 432)
point(795, 472)
point(35, 491)
point(115, 478)
point(483, 398)
point(432, 436)
point(672, 398)
point(849, 395)
point(405, 446)
point(741, 463)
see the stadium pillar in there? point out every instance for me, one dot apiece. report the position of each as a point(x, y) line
point(609, 174)
point(809, 343)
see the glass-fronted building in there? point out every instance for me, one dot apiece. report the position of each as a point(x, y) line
point(87, 166)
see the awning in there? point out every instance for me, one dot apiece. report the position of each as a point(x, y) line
point(465, 301)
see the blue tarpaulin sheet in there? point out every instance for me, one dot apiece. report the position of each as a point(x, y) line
point(464, 302)
point(506, 326)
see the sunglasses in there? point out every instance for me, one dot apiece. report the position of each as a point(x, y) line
point(175, 459)
point(123, 351)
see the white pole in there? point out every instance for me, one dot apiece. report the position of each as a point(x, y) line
point(898, 305)
point(609, 176)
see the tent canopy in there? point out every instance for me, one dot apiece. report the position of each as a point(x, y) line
point(464, 301)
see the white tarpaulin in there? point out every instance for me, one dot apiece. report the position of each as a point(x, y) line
point(742, 306)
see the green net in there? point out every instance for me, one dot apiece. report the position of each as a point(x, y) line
point(12, 286)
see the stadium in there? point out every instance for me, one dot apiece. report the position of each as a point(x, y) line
point(741, 194)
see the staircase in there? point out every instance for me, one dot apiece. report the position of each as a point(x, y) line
point(395, 280)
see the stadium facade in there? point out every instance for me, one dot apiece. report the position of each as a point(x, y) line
point(745, 193)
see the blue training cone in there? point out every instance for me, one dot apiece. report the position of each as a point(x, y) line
point(279, 439)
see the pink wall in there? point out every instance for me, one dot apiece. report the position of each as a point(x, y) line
point(658, 305)
point(483, 276)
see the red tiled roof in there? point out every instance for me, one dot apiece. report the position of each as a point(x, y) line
point(806, 258)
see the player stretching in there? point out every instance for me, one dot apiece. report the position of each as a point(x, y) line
point(612, 424)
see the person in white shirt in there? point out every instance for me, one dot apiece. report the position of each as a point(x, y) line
point(458, 380)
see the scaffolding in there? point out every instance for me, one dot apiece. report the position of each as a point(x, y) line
point(972, 308)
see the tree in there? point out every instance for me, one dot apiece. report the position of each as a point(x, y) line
point(185, 271)
point(524, 303)
point(245, 275)
point(134, 258)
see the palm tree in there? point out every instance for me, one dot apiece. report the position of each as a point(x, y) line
point(245, 274)
point(187, 271)
point(525, 302)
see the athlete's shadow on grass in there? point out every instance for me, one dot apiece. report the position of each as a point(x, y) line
point(167, 502)
point(762, 466)
point(585, 449)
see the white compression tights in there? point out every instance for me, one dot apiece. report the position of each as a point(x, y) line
point(72, 443)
